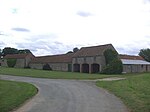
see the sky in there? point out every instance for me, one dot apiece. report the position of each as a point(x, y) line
point(48, 27)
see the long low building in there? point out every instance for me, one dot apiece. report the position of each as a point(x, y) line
point(61, 62)
point(85, 60)
point(134, 64)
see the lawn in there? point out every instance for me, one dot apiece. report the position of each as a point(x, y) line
point(134, 91)
point(50, 74)
point(13, 94)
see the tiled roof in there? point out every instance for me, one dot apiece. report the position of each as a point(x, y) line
point(93, 50)
point(63, 58)
point(130, 57)
point(16, 56)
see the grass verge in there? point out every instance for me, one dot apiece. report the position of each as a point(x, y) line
point(13, 94)
point(134, 91)
point(50, 74)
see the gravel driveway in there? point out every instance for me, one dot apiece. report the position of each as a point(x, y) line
point(56, 95)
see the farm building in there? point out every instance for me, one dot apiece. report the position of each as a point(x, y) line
point(90, 59)
point(22, 60)
point(134, 64)
point(61, 62)
point(85, 60)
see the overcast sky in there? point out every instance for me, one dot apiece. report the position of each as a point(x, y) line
point(49, 27)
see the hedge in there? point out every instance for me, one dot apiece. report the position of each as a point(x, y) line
point(11, 62)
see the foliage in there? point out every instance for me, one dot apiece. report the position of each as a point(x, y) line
point(13, 94)
point(9, 50)
point(47, 67)
point(134, 91)
point(25, 51)
point(75, 49)
point(110, 55)
point(113, 64)
point(115, 67)
point(145, 53)
point(11, 62)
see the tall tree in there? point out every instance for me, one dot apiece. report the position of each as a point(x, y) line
point(110, 55)
point(113, 63)
point(75, 49)
point(9, 50)
point(24, 51)
point(145, 53)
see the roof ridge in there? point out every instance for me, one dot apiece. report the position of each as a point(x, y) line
point(53, 55)
point(96, 46)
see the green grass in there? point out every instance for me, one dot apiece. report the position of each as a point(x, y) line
point(13, 94)
point(135, 91)
point(50, 74)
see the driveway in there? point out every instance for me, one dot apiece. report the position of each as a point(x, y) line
point(56, 95)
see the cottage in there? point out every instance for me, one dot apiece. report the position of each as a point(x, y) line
point(134, 64)
point(22, 60)
point(61, 62)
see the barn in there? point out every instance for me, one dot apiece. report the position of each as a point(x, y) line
point(134, 64)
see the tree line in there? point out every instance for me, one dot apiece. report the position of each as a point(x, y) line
point(9, 50)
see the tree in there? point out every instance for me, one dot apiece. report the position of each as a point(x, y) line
point(110, 55)
point(75, 49)
point(9, 50)
point(113, 63)
point(24, 51)
point(145, 53)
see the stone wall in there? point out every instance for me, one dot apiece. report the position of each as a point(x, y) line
point(36, 66)
point(20, 63)
point(136, 68)
point(100, 60)
point(54, 66)
point(59, 66)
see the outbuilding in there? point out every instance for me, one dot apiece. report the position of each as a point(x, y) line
point(134, 64)
point(22, 60)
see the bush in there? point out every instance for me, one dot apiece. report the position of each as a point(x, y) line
point(115, 67)
point(110, 55)
point(11, 62)
point(113, 63)
point(47, 67)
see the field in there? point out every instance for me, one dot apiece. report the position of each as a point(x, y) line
point(13, 94)
point(50, 74)
point(134, 91)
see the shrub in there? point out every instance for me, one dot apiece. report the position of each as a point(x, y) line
point(47, 67)
point(11, 62)
point(110, 55)
point(115, 67)
point(113, 63)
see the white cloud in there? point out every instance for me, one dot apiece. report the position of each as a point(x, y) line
point(123, 23)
